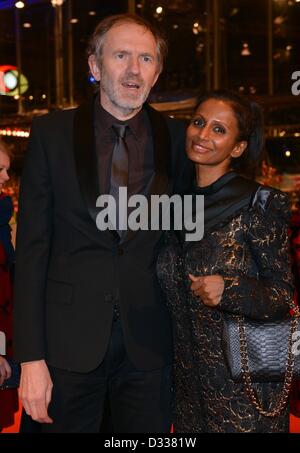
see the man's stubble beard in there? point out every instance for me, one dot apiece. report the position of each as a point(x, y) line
point(115, 97)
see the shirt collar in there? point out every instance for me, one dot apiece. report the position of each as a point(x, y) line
point(136, 123)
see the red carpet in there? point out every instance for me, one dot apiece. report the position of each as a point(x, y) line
point(294, 426)
point(15, 428)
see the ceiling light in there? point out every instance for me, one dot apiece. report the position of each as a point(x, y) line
point(19, 5)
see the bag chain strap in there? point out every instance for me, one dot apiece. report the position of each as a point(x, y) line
point(281, 401)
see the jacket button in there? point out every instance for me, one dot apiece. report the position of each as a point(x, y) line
point(108, 298)
point(216, 316)
point(120, 251)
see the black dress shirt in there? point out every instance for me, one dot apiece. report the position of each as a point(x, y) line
point(140, 146)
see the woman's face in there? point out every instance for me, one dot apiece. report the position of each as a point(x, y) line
point(4, 167)
point(212, 135)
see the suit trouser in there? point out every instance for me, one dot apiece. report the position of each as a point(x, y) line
point(140, 401)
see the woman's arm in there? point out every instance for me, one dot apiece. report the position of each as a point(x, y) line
point(5, 370)
point(270, 295)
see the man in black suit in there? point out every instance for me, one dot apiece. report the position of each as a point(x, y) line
point(90, 320)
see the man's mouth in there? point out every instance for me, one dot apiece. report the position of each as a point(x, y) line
point(131, 85)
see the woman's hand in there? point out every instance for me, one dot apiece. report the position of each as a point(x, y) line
point(5, 370)
point(209, 288)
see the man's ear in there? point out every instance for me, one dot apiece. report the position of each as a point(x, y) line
point(94, 68)
point(239, 149)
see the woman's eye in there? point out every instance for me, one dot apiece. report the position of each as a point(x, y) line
point(198, 122)
point(219, 130)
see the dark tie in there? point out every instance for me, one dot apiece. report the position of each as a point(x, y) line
point(119, 167)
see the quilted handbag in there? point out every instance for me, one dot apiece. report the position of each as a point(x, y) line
point(263, 351)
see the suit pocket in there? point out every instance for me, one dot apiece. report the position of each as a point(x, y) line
point(59, 292)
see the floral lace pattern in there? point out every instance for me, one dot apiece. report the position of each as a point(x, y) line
point(251, 251)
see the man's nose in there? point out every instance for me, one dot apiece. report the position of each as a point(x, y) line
point(134, 65)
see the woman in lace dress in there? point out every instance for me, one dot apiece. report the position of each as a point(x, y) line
point(241, 266)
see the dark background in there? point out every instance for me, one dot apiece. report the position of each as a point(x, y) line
point(186, 70)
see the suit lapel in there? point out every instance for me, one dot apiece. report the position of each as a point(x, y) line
point(162, 152)
point(86, 160)
point(85, 156)
point(159, 183)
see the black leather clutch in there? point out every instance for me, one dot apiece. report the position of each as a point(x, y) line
point(263, 351)
point(267, 345)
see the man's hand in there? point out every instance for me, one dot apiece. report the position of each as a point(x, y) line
point(209, 288)
point(5, 370)
point(35, 390)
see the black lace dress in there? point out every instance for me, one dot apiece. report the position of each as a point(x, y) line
point(250, 249)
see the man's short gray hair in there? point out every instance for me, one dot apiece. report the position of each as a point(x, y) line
point(95, 46)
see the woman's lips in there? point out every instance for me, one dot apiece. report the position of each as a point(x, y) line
point(200, 148)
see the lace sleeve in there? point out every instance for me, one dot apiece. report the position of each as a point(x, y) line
point(268, 296)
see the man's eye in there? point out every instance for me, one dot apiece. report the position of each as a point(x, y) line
point(146, 59)
point(120, 56)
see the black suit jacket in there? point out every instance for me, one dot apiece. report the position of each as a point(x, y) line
point(68, 273)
